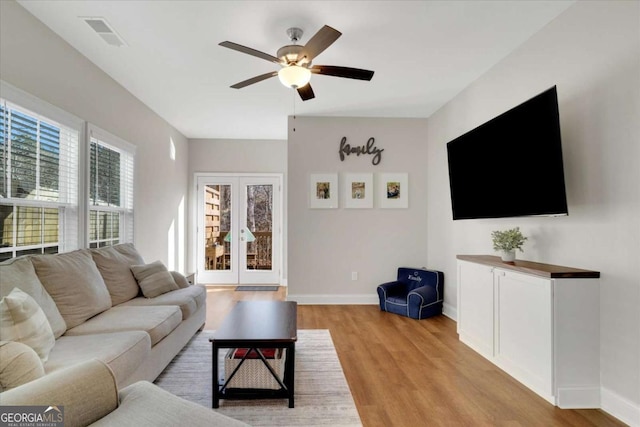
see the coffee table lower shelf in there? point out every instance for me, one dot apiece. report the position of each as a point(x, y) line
point(286, 392)
point(252, 393)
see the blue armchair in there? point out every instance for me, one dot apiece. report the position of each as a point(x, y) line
point(417, 293)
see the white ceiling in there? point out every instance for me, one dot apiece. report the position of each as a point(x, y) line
point(423, 54)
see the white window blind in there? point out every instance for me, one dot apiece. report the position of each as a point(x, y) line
point(111, 175)
point(38, 176)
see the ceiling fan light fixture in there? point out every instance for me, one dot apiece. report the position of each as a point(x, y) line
point(294, 76)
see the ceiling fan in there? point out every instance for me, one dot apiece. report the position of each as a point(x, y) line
point(295, 61)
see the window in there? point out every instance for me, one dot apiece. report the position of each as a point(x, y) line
point(111, 166)
point(38, 176)
point(45, 207)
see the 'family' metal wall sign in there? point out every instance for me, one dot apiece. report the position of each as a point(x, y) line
point(370, 149)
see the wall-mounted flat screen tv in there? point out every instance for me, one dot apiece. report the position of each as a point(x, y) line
point(511, 165)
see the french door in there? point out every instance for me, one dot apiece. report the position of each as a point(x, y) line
point(239, 229)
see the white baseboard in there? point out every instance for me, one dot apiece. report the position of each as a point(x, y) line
point(355, 299)
point(578, 397)
point(450, 311)
point(619, 407)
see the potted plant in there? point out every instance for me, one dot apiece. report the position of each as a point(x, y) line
point(506, 242)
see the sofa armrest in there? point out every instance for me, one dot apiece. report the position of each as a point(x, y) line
point(87, 391)
point(427, 294)
point(421, 297)
point(146, 404)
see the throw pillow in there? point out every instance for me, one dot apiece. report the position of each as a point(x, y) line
point(22, 320)
point(154, 279)
point(75, 284)
point(19, 273)
point(19, 364)
point(180, 280)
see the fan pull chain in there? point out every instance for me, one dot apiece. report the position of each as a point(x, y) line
point(294, 110)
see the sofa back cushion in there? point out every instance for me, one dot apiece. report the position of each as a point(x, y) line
point(114, 264)
point(417, 277)
point(180, 280)
point(19, 273)
point(75, 284)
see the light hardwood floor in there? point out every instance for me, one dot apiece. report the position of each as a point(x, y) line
point(404, 372)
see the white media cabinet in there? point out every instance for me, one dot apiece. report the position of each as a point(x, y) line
point(538, 322)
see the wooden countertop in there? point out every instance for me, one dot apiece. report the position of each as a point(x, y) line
point(529, 267)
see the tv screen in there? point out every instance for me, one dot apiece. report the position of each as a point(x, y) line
point(511, 165)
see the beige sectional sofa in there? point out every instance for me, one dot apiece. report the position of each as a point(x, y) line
point(97, 309)
point(89, 395)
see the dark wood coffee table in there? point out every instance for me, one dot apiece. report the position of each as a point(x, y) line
point(256, 325)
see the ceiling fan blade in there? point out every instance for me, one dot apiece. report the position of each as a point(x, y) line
point(255, 79)
point(305, 92)
point(346, 72)
point(320, 41)
point(250, 51)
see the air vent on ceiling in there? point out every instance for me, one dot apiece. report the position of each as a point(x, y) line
point(104, 30)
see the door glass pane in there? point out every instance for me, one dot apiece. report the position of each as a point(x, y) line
point(217, 227)
point(259, 227)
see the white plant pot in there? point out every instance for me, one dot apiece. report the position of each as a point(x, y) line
point(508, 256)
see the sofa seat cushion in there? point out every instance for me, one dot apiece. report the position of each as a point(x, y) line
point(188, 299)
point(19, 273)
point(75, 284)
point(114, 264)
point(123, 352)
point(398, 300)
point(144, 404)
point(157, 321)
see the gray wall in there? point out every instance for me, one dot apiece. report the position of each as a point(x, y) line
point(39, 62)
point(326, 245)
point(232, 156)
point(591, 52)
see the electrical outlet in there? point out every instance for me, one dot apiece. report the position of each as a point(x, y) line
point(354, 275)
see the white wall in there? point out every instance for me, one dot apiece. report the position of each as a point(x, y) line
point(36, 60)
point(231, 156)
point(592, 53)
point(326, 245)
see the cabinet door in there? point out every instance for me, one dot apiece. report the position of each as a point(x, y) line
point(475, 307)
point(524, 329)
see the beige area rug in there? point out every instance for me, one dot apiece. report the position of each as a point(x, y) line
point(322, 395)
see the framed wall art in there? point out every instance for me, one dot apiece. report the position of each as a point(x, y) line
point(393, 190)
point(323, 191)
point(358, 190)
